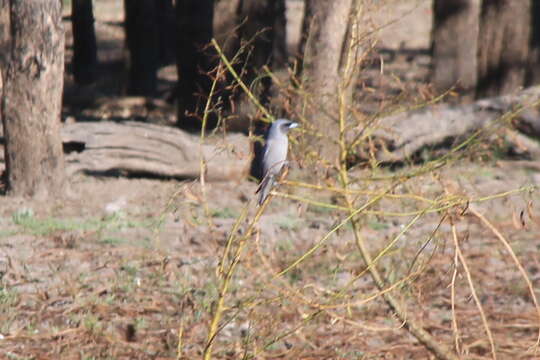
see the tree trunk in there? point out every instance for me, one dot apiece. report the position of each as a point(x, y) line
point(84, 42)
point(194, 19)
point(32, 79)
point(142, 43)
point(533, 71)
point(166, 20)
point(454, 46)
point(325, 28)
point(505, 28)
point(4, 35)
point(280, 53)
point(226, 25)
point(257, 34)
point(254, 34)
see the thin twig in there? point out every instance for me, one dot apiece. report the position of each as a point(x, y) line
point(520, 267)
point(240, 82)
point(473, 292)
point(455, 327)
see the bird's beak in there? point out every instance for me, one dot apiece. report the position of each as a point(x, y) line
point(293, 125)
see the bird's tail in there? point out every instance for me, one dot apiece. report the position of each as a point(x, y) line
point(264, 188)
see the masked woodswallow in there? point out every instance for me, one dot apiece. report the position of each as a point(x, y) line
point(275, 155)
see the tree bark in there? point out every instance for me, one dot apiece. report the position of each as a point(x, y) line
point(533, 70)
point(84, 42)
point(454, 46)
point(32, 77)
point(225, 25)
point(280, 53)
point(257, 34)
point(505, 28)
point(194, 20)
point(325, 28)
point(4, 34)
point(142, 43)
point(254, 34)
point(166, 20)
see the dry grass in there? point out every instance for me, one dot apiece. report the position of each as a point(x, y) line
point(207, 274)
point(79, 296)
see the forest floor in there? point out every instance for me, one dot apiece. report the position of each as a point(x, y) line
point(127, 268)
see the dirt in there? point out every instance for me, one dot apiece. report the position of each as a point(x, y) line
point(128, 267)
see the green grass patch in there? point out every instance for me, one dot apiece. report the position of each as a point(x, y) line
point(225, 213)
point(377, 226)
point(8, 297)
point(31, 224)
point(290, 222)
point(113, 241)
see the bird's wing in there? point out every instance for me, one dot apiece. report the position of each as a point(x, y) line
point(266, 155)
point(261, 184)
point(265, 187)
point(275, 156)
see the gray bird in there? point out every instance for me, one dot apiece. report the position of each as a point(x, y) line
point(275, 155)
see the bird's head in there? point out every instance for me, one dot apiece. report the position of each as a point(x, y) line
point(284, 125)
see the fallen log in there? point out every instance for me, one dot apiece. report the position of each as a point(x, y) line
point(136, 148)
point(410, 132)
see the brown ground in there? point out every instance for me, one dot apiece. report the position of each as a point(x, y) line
point(121, 266)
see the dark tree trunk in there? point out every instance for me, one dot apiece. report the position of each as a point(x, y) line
point(533, 72)
point(166, 20)
point(257, 34)
point(4, 34)
point(194, 60)
point(141, 28)
point(253, 33)
point(32, 76)
point(256, 31)
point(505, 28)
point(280, 52)
point(324, 36)
point(84, 41)
point(454, 46)
point(226, 25)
